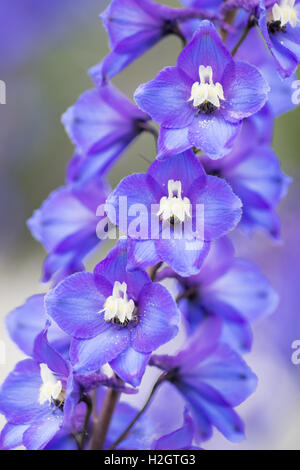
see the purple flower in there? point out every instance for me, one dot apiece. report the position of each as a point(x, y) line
point(212, 378)
point(280, 25)
point(37, 398)
point(254, 51)
point(253, 171)
point(101, 125)
point(181, 439)
point(26, 322)
point(116, 316)
point(231, 288)
point(202, 101)
point(187, 208)
point(133, 27)
point(66, 226)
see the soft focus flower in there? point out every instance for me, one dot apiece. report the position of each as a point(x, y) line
point(26, 322)
point(280, 25)
point(254, 51)
point(212, 378)
point(188, 208)
point(37, 398)
point(101, 125)
point(133, 27)
point(202, 101)
point(233, 289)
point(116, 316)
point(253, 171)
point(66, 226)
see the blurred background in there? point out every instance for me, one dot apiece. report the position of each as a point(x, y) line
point(46, 48)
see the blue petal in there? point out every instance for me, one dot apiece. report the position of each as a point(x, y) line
point(41, 432)
point(130, 366)
point(222, 208)
point(19, 396)
point(245, 91)
point(89, 355)
point(213, 134)
point(75, 304)
point(12, 436)
point(206, 48)
point(158, 319)
point(166, 97)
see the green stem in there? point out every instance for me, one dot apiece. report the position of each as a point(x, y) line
point(249, 26)
point(102, 423)
point(89, 408)
point(139, 414)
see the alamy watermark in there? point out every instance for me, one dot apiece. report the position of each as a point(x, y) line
point(295, 358)
point(2, 92)
point(140, 222)
point(296, 93)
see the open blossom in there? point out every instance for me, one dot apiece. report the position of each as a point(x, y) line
point(101, 124)
point(253, 171)
point(188, 209)
point(37, 398)
point(233, 289)
point(212, 378)
point(279, 22)
point(120, 319)
point(203, 100)
point(66, 226)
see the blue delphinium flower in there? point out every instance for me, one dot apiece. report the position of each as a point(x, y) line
point(202, 101)
point(254, 51)
point(279, 22)
point(101, 124)
point(133, 27)
point(66, 226)
point(37, 398)
point(253, 171)
point(231, 288)
point(116, 316)
point(212, 378)
point(174, 190)
point(26, 322)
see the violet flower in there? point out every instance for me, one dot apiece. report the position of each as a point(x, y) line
point(26, 322)
point(253, 171)
point(133, 27)
point(66, 226)
point(233, 289)
point(101, 124)
point(205, 208)
point(212, 378)
point(116, 316)
point(279, 23)
point(202, 101)
point(37, 398)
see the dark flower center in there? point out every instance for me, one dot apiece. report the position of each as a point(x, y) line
point(276, 27)
point(206, 108)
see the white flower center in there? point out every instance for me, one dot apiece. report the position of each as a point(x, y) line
point(51, 388)
point(173, 206)
point(206, 90)
point(285, 13)
point(117, 307)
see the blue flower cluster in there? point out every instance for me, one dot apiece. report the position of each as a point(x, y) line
point(173, 269)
